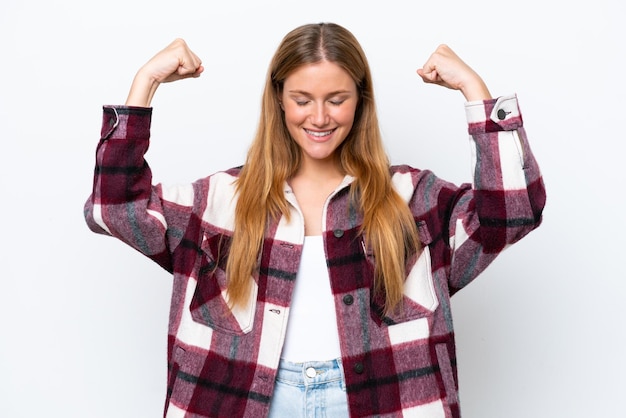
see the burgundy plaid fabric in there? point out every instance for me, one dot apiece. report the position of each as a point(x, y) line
point(222, 363)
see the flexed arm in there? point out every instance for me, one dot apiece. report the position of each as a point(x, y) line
point(506, 197)
point(124, 203)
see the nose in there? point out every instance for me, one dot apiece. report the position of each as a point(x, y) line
point(319, 115)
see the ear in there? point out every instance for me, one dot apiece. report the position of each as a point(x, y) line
point(280, 103)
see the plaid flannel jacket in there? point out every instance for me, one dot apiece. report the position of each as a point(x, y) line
point(222, 362)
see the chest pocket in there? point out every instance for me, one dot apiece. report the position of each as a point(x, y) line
point(209, 304)
point(420, 298)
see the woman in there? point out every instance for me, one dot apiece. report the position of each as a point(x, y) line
point(316, 277)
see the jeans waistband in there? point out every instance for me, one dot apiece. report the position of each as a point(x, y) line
point(310, 372)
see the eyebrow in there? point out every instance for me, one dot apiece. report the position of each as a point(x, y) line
point(332, 93)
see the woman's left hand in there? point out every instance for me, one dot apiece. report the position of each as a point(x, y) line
point(445, 68)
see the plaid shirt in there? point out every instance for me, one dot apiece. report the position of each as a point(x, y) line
point(222, 362)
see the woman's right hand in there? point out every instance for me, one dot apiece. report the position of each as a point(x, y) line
point(175, 62)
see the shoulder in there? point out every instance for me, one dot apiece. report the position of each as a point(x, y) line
point(403, 176)
point(218, 178)
point(422, 187)
point(220, 183)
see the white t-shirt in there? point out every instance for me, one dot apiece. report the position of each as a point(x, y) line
point(312, 333)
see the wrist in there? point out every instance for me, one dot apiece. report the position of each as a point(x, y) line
point(475, 89)
point(142, 90)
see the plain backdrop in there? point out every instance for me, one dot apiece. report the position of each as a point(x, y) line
point(83, 318)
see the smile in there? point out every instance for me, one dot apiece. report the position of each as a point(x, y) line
point(319, 134)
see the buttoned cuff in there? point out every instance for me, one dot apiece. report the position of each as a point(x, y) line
point(501, 114)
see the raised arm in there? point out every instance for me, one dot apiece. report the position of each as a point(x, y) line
point(124, 203)
point(506, 198)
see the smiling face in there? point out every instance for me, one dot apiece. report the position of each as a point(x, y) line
point(319, 101)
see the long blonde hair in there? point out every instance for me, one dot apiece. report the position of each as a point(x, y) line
point(388, 226)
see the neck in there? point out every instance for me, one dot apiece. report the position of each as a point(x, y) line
point(320, 171)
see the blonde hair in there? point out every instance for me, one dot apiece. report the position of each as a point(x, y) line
point(388, 225)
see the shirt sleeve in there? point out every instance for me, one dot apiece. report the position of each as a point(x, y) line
point(124, 203)
point(507, 194)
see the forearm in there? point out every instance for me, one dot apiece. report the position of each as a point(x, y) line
point(123, 202)
point(507, 181)
point(507, 196)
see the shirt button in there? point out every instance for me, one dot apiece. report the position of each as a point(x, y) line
point(310, 372)
point(348, 299)
point(338, 233)
point(358, 368)
point(501, 114)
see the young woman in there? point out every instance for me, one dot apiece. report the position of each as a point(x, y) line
point(315, 280)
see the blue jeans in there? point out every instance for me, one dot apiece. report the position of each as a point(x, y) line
point(315, 389)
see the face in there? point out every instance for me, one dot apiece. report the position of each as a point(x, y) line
point(319, 101)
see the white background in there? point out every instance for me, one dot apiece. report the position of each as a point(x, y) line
point(83, 318)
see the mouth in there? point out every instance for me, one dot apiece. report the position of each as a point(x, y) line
point(319, 134)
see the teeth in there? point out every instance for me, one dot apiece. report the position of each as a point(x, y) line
point(319, 134)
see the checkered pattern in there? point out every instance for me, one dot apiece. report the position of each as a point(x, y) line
point(222, 363)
